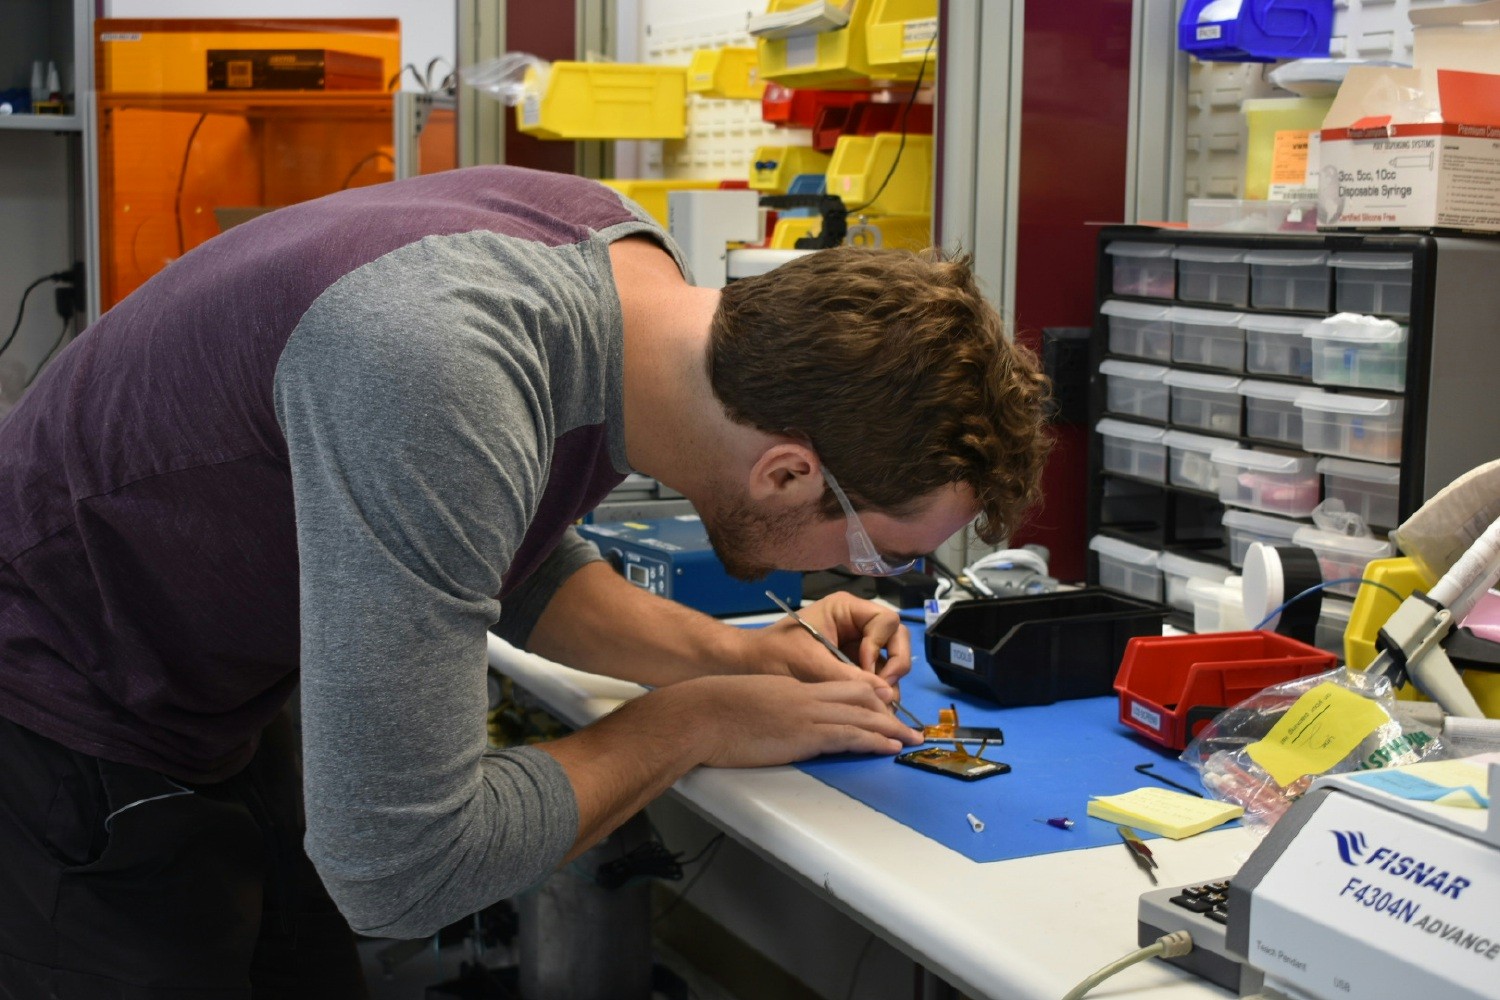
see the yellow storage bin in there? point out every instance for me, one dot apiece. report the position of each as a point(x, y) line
point(789, 230)
point(1276, 145)
point(830, 60)
point(861, 162)
point(1372, 606)
point(731, 73)
point(898, 232)
point(884, 39)
point(581, 100)
point(775, 166)
point(898, 34)
point(652, 194)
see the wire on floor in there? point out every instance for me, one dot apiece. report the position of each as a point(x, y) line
point(708, 852)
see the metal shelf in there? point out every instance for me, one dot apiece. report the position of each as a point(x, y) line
point(41, 123)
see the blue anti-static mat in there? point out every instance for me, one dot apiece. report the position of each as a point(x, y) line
point(1060, 755)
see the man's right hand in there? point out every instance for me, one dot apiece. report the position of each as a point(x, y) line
point(758, 720)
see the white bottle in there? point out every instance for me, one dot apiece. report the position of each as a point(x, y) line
point(38, 82)
point(54, 83)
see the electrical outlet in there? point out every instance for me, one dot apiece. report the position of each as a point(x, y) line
point(69, 294)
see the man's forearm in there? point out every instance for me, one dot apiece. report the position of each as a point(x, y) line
point(600, 623)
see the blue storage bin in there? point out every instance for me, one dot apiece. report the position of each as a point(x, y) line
point(1256, 30)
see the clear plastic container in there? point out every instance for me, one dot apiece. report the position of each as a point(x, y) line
point(1362, 427)
point(1271, 413)
point(1340, 556)
point(1217, 275)
point(1218, 607)
point(1139, 329)
point(1360, 352)
point(1333, 622)
point(1134, 390)
point(1134, 450)
point(1209, 337)
point(1205, 402)
point(1371, 491)
point(1243, 527)
point(1290, 279)
point(1129, 569)
point(1277, 345)
point(1145, 269)
point(1177, 570)
point(1189, 461)
point(1268, 481)
point(1375, 283)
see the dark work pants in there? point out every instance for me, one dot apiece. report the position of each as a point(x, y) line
point(116, 882)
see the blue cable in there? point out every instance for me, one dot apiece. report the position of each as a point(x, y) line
point(1321, 586)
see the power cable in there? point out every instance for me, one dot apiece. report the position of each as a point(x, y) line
point(901, 146)
point(187, 152)
point(21, 311)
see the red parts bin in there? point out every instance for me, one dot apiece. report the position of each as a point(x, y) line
point(1170, 685)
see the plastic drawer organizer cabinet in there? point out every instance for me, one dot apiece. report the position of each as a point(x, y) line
point(1208, 337)
point(1134, 449)
point(1271, 412)
point(1214, 275)
point(1204, 401)
point(1294, 280)
point(1190, 460)
point(1361, 427)
point(1127, 568)
point(1359, 352)
point(1278, 345)
point(1268, 481)
point(1133, 389)
point(1139, 329)
point(1145, 269)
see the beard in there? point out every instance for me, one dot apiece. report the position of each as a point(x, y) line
point(741, 535)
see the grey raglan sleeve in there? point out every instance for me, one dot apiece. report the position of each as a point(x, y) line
point(415, 467)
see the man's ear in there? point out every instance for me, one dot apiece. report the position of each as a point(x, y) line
point(786, 472)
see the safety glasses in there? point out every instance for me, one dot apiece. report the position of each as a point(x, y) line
point(863, 556)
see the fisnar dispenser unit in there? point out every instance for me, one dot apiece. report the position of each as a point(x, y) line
point(1378, 883)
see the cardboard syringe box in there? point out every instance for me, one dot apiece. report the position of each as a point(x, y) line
point(1419, 147)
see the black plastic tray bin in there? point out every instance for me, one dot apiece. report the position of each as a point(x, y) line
point(1041, 649)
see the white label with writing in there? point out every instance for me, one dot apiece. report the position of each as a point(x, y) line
point(1140, 713)
point(962, 656)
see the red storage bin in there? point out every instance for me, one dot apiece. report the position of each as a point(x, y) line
point(799, 108)
point(1170, 686)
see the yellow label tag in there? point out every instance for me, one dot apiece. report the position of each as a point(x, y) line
point(1318, 731)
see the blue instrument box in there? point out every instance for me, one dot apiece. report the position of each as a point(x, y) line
point(671, 557)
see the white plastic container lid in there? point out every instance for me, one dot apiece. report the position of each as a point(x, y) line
point(1202, 380)
point(1171, 562)
point(1365, 548)
point(1133, 432)
point(1230, 588)
point(1287, 258)
point(1261, 524)
point(1210, 255)
point(1268, 323)
point(1124, 551)
point(1357, 329)
point(1265, 461)
point(1281, 392)
point(1125, 248)
point(1371, 261)
point(1364, 472)
point(1183, 441)
point(1134, 310)
point(1133, 370)
point(1205, 317)
point(1341, 402)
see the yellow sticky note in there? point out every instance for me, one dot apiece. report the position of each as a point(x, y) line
point(1161, 810)
point(1318, 731)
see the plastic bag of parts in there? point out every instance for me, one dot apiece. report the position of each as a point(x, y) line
point(504, 77)
point(1263, 753)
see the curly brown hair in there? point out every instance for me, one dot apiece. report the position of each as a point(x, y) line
point(896, 369)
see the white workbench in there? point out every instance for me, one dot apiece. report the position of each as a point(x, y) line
point(1005, 930)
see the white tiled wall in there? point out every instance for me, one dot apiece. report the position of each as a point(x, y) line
point(721, 135)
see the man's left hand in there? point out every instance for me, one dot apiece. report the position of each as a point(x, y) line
point(869, 634)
